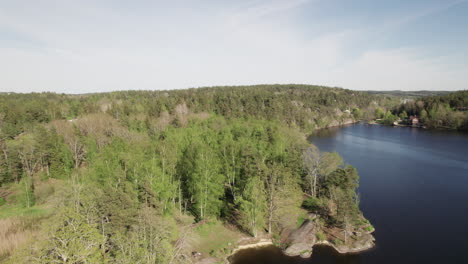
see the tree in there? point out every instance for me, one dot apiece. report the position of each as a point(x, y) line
point(231, 164)
point(379, 113)
point(357, 113)
point(423, 115)
point(403, 115)
point(273, 184)
point(342, 184)
point(72, 138)
point(253, 206)
point(203, 180)
point(389, 118)
point(330, 161)
point(26, 149)
point(312, 159)
point(72, 240)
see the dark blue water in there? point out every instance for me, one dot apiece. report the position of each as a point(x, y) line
point(413, 188)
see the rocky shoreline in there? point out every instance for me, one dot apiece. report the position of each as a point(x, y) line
point(336, 123)
point(301, 241)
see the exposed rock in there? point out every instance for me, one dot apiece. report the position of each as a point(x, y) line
point(338, 112)
point(346, 121)
point(301, 240)
point(334, 123)
point(361, 243)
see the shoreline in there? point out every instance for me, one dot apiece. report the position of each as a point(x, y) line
point(261, 243)
point(341, 251)
point(302, 241)
point(269, 242)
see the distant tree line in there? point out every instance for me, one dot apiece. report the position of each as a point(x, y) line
point(445, 111)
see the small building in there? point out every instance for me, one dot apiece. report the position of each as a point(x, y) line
point(414, 120)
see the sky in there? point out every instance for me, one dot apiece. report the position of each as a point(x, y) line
point(71, 46)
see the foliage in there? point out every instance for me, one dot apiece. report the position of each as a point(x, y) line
point(357, 113)
point(72, 240)
point(312, 204)
point(253, 206)
point(441, 111)
point(139, 172)
point(320, 236)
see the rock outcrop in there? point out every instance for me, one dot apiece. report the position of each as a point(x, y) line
point(359, 243)
point(301, 240)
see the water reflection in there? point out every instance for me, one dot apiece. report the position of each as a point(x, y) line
point(273, 255)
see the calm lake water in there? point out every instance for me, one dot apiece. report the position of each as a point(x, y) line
point(414, 190)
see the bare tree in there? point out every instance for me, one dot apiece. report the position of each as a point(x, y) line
point(312, 158)
point(102, 127)
point(70, 134)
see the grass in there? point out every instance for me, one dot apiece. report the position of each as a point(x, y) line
point(8, 211)
point(337, 242)
point(213, 238)
point(300, 220)
point(13, 233)
point(18, 225)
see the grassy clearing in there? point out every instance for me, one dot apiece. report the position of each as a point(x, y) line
point(21, 227)
point(13, 233)
point(18, 226)
point(8, 211)
point(214, 239)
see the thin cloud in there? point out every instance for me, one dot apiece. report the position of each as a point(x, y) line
point(257, 10)
point(418, 14)
point(95, 48)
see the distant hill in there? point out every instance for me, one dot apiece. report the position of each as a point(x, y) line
point(409, 94)
point(305, 106)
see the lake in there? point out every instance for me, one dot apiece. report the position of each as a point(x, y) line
point(413, 189)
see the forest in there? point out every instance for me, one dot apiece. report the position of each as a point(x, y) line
point(151, 176)
point(449, 111)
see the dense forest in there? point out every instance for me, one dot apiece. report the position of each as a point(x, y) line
point(150, 176)
point(448, 111)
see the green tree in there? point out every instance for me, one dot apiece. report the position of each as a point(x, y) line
point(379, 113)
point(72, 240)
point(389, 118)
point(357, 113)
point(423, 115)
point(403, 115)
point(253, 206)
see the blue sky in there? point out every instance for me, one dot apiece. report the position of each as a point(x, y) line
point(96, 46)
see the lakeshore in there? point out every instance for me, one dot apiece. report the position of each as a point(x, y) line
point(414, 161)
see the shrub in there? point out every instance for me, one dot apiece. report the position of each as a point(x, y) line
point(312, 204)
point(320, 236)
point(337, 242)
point(300, 220)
